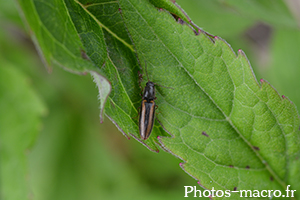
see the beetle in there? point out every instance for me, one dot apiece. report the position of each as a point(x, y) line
point(148, 106)
point(147, 111)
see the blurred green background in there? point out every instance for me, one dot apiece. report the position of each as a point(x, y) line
point(72, 155)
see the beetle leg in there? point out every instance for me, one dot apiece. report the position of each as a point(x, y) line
point(164, 128)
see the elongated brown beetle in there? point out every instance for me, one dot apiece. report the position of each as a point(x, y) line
point(147, 111)
point(148, 106)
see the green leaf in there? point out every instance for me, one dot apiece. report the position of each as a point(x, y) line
point(231, 131)
point(19, 124)
point(216, 94)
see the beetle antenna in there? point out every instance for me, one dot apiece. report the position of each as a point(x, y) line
point(155, 83)
point(163, 86)
point(146, 71)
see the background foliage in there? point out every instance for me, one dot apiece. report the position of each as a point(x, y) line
point(75, 157)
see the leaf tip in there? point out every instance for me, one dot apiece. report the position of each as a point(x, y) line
point(180, 21)
point(241, 52)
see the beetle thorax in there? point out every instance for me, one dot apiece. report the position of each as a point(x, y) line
point(149, 91)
